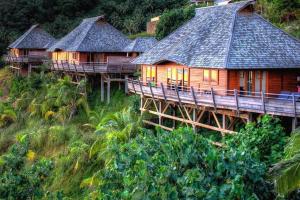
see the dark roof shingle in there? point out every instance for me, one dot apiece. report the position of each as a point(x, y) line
point(141, 44)
point(34, 38)
point(93, 35)
point(223, 37)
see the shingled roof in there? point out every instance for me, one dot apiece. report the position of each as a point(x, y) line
point(34, 38)
point(141, 44)
point(93, 35)
point(225, 37)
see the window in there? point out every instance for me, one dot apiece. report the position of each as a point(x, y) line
point(211, 76)
point(74, 56)
point(214, 76)
point(206, 75)
point(151, 73)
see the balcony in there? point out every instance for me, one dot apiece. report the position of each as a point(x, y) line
point(24, 59)
point(287, 105)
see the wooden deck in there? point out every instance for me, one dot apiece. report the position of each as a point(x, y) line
point(24, 59)
point(261, 103)
point(93, 67)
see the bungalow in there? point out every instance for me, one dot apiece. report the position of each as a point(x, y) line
point(97, 48)
point(30, 49)
point(226, 58)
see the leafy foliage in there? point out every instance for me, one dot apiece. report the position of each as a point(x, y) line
point(18, 181)
point(286, 173)
point(170, 20)
point(179, 165)
point(265, 139)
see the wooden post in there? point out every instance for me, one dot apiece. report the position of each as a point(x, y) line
point(102, 88)
point(174, 114)
point(294, 123)
point(177, 92)
point(29, 69)
point(263, 101)
point(160, 117)
point(142, 105)
point(236, 102)
point(141, 87)
point(224, 121)
point(194, 96)
point(163, 91)
point(75, 66)
point(108, 90)
point(294, 106)
point(213, 98)
point(126, 84)
point(132, 82)
point(194, 119)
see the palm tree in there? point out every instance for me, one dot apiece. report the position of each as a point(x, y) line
point(286, 174)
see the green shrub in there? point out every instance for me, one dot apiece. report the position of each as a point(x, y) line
point(180, 165)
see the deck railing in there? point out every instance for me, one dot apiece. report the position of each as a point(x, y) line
point(24, 59)
point(239, 101)
point(92, 67)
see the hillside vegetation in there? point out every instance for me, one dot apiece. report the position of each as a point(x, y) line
point(58, 144)
point(59, 17)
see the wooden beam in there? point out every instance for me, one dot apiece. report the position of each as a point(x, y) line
point(132, 82)
point(191, 122)
point(178, 97)
point(159, 125)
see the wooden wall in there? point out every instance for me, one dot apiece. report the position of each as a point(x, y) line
point(276, 80)
point(282, 80)
point(195, 76)
point(82, 56)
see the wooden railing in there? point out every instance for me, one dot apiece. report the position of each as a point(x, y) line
point(92, 67)
point(24, 59)
point(239, 101)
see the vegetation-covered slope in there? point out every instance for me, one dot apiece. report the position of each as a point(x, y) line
point(58, 144)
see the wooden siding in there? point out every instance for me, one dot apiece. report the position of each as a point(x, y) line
point(282, 80)
point(195, 76)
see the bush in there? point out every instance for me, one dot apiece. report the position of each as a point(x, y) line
point(265, 139)
point(180, 165)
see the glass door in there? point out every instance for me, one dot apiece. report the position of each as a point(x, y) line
point(250, 82)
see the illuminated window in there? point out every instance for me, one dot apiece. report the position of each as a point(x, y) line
point(214, 76)
point(74, 56)
point(150, 73)
point(206, 75)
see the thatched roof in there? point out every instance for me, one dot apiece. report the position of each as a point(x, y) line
point(141, 44)
point(93, 35)
point(34, 38)
point(226, 37)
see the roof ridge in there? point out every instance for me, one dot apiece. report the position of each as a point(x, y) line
point(21, 39)
point(232, 31)
point(86, 33)
point(234, 3)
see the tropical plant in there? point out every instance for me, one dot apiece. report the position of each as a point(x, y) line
point(19, 181)
point(7, 115)
point(265, 139)
point(178, 165)
point(286, 173)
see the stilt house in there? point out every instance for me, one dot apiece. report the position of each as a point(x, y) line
point(227, 60)
point(29, 50)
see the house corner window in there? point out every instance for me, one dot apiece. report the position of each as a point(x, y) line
point(151, 74)
point(211, 76)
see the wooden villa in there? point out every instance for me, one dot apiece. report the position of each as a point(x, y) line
point(29, 50)
point(227, 64)
point(96, 48)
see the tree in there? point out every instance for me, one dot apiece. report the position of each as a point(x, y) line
point(172, 19)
